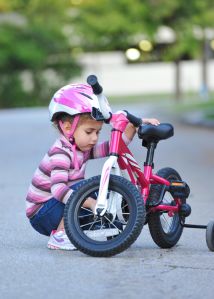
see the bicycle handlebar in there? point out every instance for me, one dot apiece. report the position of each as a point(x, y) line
point(97, 88)
point(136, 121)
point(104, 105)
point(98, 91)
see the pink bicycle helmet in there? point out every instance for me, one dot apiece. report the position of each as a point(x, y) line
point(73, 99)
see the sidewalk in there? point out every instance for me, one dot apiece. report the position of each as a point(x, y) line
point(30, 271)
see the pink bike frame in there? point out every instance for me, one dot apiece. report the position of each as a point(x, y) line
point(142, 179)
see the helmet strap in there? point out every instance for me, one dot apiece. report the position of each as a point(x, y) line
point(71, 138)
point(73, 128)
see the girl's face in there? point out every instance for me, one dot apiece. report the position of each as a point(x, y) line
point(86, 134)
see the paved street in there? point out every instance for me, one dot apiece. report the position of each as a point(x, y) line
point(29, 270)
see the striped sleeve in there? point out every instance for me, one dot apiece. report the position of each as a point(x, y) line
point(60, 165)
point(126, 139)
point(100, 150)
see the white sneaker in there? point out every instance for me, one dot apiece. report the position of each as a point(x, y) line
point(59, 240)
point(102, 234)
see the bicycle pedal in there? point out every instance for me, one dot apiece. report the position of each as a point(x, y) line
point(179, 189)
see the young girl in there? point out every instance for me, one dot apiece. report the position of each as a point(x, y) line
point(64, 165)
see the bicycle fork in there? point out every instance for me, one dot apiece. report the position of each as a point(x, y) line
point(110, 166)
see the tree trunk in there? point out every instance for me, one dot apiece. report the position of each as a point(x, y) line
point(177, 80)
point(205, 55)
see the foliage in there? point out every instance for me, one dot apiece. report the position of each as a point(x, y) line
point(36, 46)
point(119, 24)
point(35, 55)
point(106, 24)
point(115, 25)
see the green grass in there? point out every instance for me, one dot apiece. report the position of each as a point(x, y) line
point(189, 102)
point(153, 98)
point(195, 103)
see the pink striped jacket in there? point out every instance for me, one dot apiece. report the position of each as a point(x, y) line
point(56, 173)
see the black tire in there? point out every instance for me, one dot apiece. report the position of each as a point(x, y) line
point(133, 219)
point(163, 233)
point(210, 235)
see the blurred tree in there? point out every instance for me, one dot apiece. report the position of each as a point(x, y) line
point(115, 25)
point(4, 5)
point(106, 24)
point(190, 21)
point(35, 55)
point(204, 20)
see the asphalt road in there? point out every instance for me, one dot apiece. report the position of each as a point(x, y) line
point(29, 270)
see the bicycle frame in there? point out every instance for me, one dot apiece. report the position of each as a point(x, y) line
point(121, 160)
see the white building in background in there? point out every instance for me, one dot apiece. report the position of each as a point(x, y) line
point(120, 78)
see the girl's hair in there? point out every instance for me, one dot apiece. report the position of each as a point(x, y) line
point(67, 117)
point(63, 117)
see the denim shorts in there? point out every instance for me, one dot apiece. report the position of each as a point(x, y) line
point(49, 216)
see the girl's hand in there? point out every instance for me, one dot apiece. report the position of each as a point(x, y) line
point(152, 121)
point(131, 129)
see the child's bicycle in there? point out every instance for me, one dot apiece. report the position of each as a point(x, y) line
point(127, 197)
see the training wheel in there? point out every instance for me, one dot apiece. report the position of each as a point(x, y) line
point(210, 235)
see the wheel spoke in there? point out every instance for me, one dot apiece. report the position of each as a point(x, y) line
point(90, 223)
point(112, 223)
point(83, 216)
point(164, 221)
point(123, 207)
point(167, 223)
point(123, 213)
point(87, 209)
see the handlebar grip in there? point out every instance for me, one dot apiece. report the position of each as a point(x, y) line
point(136, 121)
point(97, 88)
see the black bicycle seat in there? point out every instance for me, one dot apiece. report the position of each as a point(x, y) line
point(151, 133)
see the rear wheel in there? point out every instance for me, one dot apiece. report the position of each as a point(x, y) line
point(117, 229)
point(165, 229)
point(210, 235)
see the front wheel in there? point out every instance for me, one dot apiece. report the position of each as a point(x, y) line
point(165, 229)
point(117, 229)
